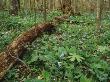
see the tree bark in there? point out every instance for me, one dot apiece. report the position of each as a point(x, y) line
point(99, 13)
point(1, 4)
point(109, 4)
point(45, 11)
point(15, 7)
point(75, 7)
point(66, 6)
point(15, 49)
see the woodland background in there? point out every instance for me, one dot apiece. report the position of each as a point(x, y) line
point(76, 50)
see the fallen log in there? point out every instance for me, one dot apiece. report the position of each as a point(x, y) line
point(66, 18)
point(9, 56)
point(61, 18)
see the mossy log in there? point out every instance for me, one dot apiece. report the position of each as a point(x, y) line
point(61, 18)
point(15, 49)
point(66, 18)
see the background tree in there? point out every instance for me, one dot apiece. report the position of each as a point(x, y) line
point(99, 13)
point(15, 7)
point(75, 7)
point(45, 10)
point(66, 6)
point(1, 4)
point(109, 4)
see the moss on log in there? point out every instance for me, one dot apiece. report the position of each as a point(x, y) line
point(16, 48)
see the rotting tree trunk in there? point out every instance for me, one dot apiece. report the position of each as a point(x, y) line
point(14, 50)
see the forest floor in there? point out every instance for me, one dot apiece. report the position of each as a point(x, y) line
point(74, 53)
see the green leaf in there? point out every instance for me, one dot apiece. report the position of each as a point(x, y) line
point(74, 57)
point(103, 48)
point(46, 76)
point(85, 79)
point(34, 80)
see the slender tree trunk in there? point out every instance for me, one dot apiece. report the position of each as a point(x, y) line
point(1, 4)
point(45, 11)
point(66, 6)
point(75, 7)
point(57, 4)
point(53, 4)
point(61, 5)
point(50, 6)
point(109, 4)
point(15, 6)
point(99, 13)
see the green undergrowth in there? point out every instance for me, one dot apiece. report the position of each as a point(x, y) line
point(74, 53)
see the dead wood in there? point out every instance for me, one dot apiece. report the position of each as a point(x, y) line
point(61, 18)
point(66, 18)
point(9, 56)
